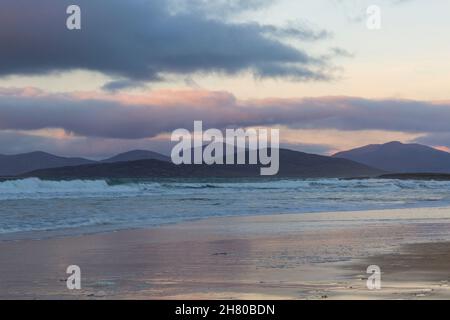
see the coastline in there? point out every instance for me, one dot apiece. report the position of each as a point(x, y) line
point(289, 256)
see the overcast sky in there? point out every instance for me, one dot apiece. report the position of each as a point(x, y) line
point(139, 69)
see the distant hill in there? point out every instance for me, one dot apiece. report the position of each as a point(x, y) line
point(135, 155)
point(292, 164)
point(400, 158)
point(11, 165)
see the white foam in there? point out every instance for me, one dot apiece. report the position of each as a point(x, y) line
point(33, 188)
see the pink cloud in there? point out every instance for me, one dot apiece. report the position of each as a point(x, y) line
point(160, 111)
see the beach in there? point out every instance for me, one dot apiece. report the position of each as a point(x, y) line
point(288, 256)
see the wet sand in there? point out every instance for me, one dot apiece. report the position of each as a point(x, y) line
point(303, 256)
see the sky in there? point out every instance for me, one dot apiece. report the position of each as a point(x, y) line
point(139, 69)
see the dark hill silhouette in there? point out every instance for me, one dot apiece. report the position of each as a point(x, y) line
point(400, 158)
point(292, 164)
point(11, 165)
point(135, 155)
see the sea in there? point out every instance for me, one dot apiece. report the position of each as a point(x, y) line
point(40, 207)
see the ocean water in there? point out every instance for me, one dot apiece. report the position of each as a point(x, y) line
point(72, 207)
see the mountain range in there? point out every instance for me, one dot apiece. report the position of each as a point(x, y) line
point(368, 161)
point(397, 157)
point(292, 164)
point(137, 155)
point(12, 165)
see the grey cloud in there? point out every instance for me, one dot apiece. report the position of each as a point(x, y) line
point(117, 85)
point(109, 119)
point(217, 8)
point(308, 148)
point(435, 139)
point(295, 30)
point(12, 142)
point(286, 71)
point(190, 82)
point(340, 52)
point(141, 40)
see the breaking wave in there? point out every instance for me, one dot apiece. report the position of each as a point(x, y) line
point(32, 204)
point(34, 188)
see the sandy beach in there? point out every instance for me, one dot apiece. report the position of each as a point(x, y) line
point(291, 256)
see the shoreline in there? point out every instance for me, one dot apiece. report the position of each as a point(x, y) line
point(288, 256)
point(96, 230)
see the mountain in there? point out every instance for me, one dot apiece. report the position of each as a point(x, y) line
point(137, 155)
point(292, 164)
point(11, 165)
point(400, 158)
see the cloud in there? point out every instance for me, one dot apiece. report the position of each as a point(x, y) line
point(14, 142)
point(143, 40)
point(124, 116)
point(218, 9)
point(355, 11)
point(441, 139)
point(191, 83)
point(296, 30)
point(308, 148)
point(118, 85)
